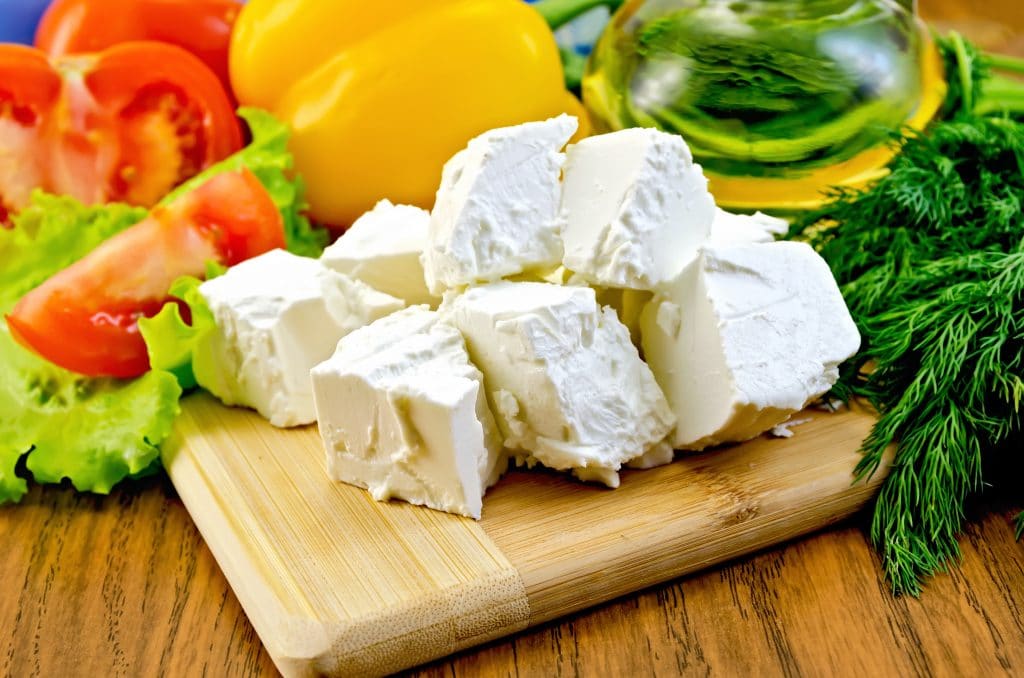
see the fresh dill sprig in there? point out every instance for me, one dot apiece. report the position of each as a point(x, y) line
point(930, 259)
point(947, 382)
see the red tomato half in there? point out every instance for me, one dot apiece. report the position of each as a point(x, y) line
point(203, 27)
point(85, 318)
point(127, 124)
point(29, 90)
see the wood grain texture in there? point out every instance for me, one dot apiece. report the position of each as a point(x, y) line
point(576, 545)
point(333, 581)
point(124, 586)
point(337, 583)
point(121, 585)
point(816, 607)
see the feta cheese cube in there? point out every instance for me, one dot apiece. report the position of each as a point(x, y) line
point(734, 229)
point(745, 337)
point(636, 207)
point(352, 303)
point(277, 316)
point(383, 249)
point(568, 388)
point(658, 455)
point(402, 413)
point(497, 209)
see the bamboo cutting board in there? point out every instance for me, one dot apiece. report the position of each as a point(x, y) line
point(335, 583)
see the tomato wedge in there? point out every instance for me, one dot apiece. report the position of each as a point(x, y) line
point(128, 124)
point(85, 318)
point(203, 27)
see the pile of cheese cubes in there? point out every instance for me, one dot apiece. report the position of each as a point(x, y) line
point(550, 273)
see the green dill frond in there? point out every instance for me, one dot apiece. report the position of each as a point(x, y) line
point(947, 383)
point(930, 260)
point(966, 69)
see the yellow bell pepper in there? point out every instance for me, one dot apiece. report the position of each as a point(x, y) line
point(380, 94)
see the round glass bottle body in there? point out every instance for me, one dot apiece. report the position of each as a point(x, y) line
point(778, 99)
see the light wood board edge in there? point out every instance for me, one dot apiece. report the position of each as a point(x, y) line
point(547, 546)
point(663, 523)
point(435, 585)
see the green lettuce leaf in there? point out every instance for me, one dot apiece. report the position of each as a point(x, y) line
point(267, 156)
point(170, 340)
point(51, 234)
point(96, 432)
point(92, 431)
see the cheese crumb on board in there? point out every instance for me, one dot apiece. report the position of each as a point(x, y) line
point(277, 315)
point(785, 429)
point(636, 208)
point(744, 338)
point(402, 412)
point(383, 249)
point(497, 209)
point(567, 387)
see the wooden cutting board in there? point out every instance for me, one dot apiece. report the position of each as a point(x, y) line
point(335, 583)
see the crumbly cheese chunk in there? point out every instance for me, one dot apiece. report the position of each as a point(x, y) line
point(736, 229)
point(745, 337)
point(352, 303)
point(277, 316)
point(568, 388)
point(383, 249)
point(402, 413)
point(658, 455)
point(636, 206)
point(497, 209)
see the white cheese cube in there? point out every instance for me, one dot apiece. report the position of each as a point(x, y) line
point(497, 209)
point(352, 303)
point(383, 249)
point(747, 335)
point(277, 316)
point(567, 386)
point(402, 413)
point(637, 208)
point(735, 229)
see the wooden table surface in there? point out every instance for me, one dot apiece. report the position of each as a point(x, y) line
point(123, 585)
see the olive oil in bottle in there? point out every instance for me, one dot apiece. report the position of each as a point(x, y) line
point(777, 99)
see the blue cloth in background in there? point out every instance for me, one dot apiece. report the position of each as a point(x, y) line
point(580, 34)
point(19, 18)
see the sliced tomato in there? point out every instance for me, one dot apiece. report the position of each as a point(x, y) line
point(173, 119)
point(85, 318)
point(203, 27)
point(126, 124)
point(29, 90)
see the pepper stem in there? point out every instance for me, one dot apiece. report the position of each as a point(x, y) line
point(560, 12)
